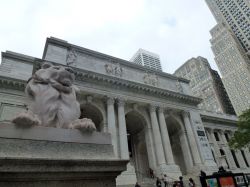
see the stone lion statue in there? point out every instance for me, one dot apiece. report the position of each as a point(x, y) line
point(54, 101)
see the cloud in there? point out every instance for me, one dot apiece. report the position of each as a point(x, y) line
point(176, 30)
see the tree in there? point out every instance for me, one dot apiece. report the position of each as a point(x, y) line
point(241, 137)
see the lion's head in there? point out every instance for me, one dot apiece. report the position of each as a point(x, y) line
point(61, 78)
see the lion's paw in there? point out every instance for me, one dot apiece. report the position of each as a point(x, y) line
point(83, 124)
point(26, 119)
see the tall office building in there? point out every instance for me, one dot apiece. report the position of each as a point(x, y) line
point(231, 47)
point(147, 59)
point(235, 14)
point(234, 66)
point(206, 84)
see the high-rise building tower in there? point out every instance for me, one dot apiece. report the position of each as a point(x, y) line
point(234, 66)
point(235, 14)
point(231, 47)
point(206, 84)
point(147, 59)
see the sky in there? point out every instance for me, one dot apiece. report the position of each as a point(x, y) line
point(177, 30)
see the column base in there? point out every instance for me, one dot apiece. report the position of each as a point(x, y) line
point(171, 170)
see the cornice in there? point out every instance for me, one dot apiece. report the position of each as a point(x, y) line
point(96, 78)
point(221, 118)
point(111, 81)
point(18, 56)
point(11, 83)
point(99, 55)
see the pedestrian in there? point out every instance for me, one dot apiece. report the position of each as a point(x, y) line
point(151, 173)
point(176, 184)
point(191, 183)
point(137, 185)
point(203, 179)
point(165, 180)
point(158, 182)
point(181, 181)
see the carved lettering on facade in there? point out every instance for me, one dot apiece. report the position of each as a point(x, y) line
point(151, 79)
point(114, 69)
point(71, 57)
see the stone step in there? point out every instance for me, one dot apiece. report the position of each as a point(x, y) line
point(195, 178)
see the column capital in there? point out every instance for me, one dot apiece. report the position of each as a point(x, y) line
point(120, 101)
point(110, 100)
point(216, 130)
point(185, 113)
point(210, 130)
point(222, 131)
point(152, 107)
point(161, 109)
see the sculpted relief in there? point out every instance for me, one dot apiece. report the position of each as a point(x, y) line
point(179, 86)
point(71, 58)
point(114, 69)
point(151, 79)
point(54, 101)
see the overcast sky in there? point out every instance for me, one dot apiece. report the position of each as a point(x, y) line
point(177, 30)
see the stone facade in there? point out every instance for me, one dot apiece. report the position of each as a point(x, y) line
point(155, 124)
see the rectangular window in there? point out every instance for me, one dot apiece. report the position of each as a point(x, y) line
point(216, 135)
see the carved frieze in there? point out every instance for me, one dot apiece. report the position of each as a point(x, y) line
point(151, 79)
point(116, 70)
point(71, 57)
point(179, 86)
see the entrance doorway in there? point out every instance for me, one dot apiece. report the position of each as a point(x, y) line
point(137, 144)
point(175, 131)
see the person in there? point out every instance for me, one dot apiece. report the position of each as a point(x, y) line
point(181, 181)
point(191, 183)
point(158, 182)
point(151, 173)
point(176, 184)
point(203, 174)
point(203, 179)
point(165, 180)
point(222, 170)
point(137, 185)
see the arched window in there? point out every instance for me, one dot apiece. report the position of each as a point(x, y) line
point(235, 159)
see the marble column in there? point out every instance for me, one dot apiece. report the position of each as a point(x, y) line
point(150, 147)
point(247, 155)
point(228, 152)
point(240, 159)
point(239, 156)
point(122, 130)
point(157, 136)
point(215, 145)
point(186, 150)
point(165, 137)
point(191, 138)
point(111, 124)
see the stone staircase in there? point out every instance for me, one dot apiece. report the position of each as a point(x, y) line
point(147, 182)
point(195, 178)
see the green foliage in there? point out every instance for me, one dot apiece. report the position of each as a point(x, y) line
point(241, 137)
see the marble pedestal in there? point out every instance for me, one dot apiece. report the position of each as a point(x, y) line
point(43, 156)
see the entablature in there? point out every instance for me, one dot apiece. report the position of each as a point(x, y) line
point(62, 52)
